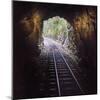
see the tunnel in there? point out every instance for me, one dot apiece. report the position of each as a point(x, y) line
point(54, 50)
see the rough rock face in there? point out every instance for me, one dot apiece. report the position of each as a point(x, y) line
point(32, 27)
point(70, 46)
point(85, 31)
point(85, 23)
point(27, 32)
point(85, 39)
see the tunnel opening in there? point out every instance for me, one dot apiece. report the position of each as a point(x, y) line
point(60, 31)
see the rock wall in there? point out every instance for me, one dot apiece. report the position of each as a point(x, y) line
point(26, 36)
point(85, 32)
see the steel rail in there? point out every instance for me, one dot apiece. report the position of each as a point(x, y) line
point(58, 85)
point(71, 71)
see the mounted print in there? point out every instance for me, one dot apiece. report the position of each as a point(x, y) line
point(54, 50)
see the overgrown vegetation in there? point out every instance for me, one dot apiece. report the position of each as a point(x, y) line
point(55, 26)
point(61, 30)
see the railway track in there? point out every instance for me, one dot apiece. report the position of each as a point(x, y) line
point(60, 78)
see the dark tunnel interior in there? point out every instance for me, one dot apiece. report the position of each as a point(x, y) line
point(28, 72)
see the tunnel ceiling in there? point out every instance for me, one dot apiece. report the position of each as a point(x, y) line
point(47, 9)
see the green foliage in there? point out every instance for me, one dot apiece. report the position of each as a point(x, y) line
point(55, 26)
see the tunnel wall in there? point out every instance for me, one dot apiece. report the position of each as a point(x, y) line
point(26, 34)
point(85, 26)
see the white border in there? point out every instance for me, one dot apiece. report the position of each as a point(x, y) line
point(87, 2)
point(6, 48)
